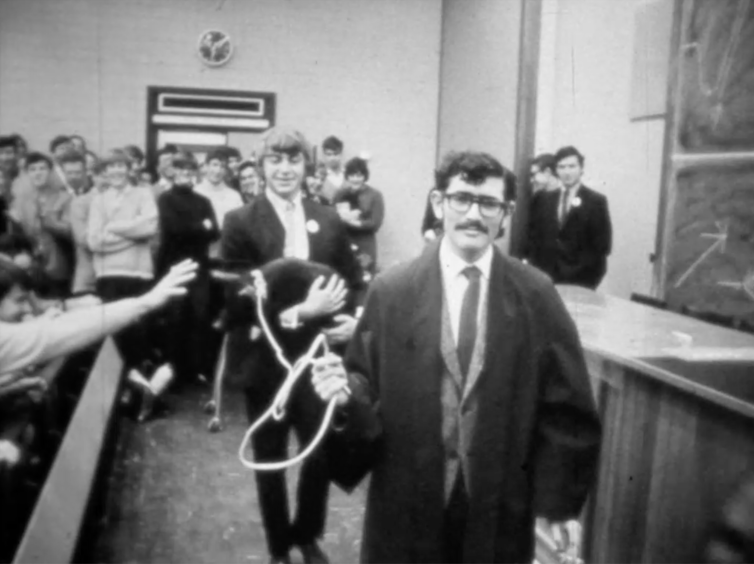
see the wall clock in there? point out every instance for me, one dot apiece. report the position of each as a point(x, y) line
point(215, 48)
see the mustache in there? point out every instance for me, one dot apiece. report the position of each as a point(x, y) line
point(473, 224)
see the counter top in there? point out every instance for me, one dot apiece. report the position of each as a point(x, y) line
point(710, 361)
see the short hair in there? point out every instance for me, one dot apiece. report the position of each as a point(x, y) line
point(166, 150)
point(77, 136)
point(37, 157)
point(116, 156)
point(185, 159)
point(170, 148)
point(8, 141)
point(285, 140)
point(218, 154)
point(19, 140)
point(134, 152)
point(356, 166)
point(247, 164)
point(57, 141)
point(473, 167)
point(569, 151)
point(545, 161)
point(332, 143)
point(73, 157)
point(231, 152)
point(12, 275)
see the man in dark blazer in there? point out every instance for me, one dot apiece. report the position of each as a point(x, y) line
point(468, 395)
point(570, 234)
point(280, 223)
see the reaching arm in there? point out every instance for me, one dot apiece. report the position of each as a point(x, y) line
point(40, 340)
point(58, 222)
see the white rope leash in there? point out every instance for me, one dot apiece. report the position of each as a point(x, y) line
point(276, 410)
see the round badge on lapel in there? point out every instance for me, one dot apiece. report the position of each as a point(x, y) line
point(312, 226)
point(576, 202)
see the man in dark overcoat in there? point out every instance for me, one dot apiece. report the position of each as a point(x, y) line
point(465, 392)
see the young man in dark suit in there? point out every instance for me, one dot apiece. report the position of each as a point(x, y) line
point(570, 233)
point(281, 223)
point(469, 395)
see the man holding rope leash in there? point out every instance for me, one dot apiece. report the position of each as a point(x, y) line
point(469, 398)
point(280, 224)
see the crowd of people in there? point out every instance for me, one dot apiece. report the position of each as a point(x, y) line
point(88, 232)
point(79, 229)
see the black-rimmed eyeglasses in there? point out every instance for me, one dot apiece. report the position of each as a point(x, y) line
point(489, 207)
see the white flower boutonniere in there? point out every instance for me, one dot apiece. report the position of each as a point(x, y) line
point(576, 202)
point(312, 226)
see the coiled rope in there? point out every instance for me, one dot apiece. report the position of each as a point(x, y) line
point(276, 410)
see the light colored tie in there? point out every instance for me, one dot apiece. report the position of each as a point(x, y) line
point(563, 212)
point(290, 230)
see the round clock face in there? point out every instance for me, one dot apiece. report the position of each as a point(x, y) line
point(215, 48)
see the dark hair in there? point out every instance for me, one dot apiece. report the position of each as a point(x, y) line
point(134, 152)
point(473, 167)
point(231, 152)
point(8, 141)
point(12, 275)
point(57, 141)
point(219, 154)
point(117, 156)
point(332, 143)
point(12, 244)
point(185, 159)
point(247, 164)
point(37, 157)
point(19, 140)
point(73, 157)
point(165, 151)
point(569, 151)
point(356, 166)
point(170, 148)
point(545, 161)
point(77, 136)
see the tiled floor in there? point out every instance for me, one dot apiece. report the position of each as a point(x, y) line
point(180, 494)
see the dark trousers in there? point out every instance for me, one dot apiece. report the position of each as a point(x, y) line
point(454, 525)
point(133, 342)
point(304, 414)
point(188, 329)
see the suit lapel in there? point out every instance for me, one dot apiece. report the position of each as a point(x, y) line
point(499, 342)
point(426, 301)
point(269, 230)
point(448, 347)
point(314, 218)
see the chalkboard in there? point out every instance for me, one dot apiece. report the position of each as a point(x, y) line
point(711, 258)
point(717, 77)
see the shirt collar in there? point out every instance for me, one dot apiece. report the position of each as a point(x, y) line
point(281, 204)
point(452, 265)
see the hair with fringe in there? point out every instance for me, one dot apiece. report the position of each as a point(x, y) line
point(37, 157)
point(545, 161)
point(8, 141)
point(57, 141)
point(73, 157)
point(356, 166)
point(332, 143)
point(219, 154)
point(285, 140)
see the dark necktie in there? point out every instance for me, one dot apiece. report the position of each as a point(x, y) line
point(563, 211)
point(468, 324)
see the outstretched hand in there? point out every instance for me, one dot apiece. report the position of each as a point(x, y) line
point(172, 285)
point(329, 378)
point(324, 298)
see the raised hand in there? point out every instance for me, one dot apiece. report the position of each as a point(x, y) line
point(173, 284)
point(324, 298)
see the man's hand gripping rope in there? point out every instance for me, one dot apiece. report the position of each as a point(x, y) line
point(276, 410)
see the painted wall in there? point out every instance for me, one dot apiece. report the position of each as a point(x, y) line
point(362, 70)
point(584, 100)
point(479, 78)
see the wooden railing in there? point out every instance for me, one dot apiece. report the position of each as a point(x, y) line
point(52, 533)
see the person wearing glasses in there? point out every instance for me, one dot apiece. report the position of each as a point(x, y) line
point(465, 392)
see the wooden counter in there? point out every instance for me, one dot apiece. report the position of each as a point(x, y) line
point(676, 397)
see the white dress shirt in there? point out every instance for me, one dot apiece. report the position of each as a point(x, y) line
point(455, 282)
point(300, 244)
